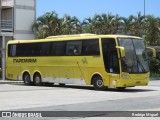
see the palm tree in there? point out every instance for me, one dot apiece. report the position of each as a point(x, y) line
point(117, 23)
point(97, 24)
point(108, 25)
point(158, 19)
point(46, 25)
point(138, 25)
point(127, 24)
point(67, 24)
point(77, 26)
point(49, 24)
point(87, 25)
point(92, 25)
point(153, 31)
point(71, 25)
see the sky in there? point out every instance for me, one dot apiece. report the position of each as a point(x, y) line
point(88, 8)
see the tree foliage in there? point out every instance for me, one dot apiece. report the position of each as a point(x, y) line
point(153, 31)
point(50, 24)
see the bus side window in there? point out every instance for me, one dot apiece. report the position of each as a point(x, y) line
point(73, 48)
point(90, 47)
point(21, 50)
point(58, 48)
point(11, 50)
point(45, 49)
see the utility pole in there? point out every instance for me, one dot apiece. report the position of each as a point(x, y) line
point(3, 49)
point(144, 9)
point(3, 57)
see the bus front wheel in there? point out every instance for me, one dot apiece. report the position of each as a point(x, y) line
point(27, 79)
point(37, 80)
point(98, 83)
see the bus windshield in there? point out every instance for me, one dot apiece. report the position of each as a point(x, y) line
point(135, 60)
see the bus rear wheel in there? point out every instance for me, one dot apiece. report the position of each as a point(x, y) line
point(37, 80)
point(98, 83)
point(27, 79)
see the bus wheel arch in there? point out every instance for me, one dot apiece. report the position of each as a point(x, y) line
point(27, 78)
point(37, 79)
point(97, 82)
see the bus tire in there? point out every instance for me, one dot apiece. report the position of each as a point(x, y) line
point(98, 83)
point(27, 79)
point(37, 80)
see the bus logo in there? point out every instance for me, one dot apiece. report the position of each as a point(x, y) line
point(24, 60)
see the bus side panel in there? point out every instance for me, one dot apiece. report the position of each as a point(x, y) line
point(94, 66)
point(12, 69)
point(48, 68)
point(70, 70)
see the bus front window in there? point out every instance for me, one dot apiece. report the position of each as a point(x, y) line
point(135, 60)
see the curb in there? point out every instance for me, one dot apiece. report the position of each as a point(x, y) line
point(158, 78)
point(11, 82)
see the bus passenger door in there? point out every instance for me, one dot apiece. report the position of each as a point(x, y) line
point(111, 61)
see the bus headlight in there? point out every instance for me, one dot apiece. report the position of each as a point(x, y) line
point(125, 76)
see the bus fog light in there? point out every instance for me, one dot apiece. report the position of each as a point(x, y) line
point(125, 76)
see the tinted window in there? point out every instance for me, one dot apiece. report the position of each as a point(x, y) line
point(90, 47)
point(74, 48)
point(44, 49)
point(11, 50)
point(65, 48)
point(36, 49)
point(29, 49)
point(58, 48)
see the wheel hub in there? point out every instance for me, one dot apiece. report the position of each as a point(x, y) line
point(26, 79)
point(37, 80)
point(99, 83)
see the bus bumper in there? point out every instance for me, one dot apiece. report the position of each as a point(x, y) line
point(131, 80)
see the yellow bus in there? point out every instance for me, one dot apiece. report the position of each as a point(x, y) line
point(117, 61)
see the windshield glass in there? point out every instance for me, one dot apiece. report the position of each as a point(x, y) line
point(135, 60)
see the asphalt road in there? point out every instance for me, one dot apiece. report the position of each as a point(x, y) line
point(79, 98)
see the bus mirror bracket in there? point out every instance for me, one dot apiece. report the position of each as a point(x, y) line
point(153, 51)
point(122, 51)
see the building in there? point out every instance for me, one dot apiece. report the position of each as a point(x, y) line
point(16, 20)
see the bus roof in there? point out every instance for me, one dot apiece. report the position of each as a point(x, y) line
point(89, 35)
point(71, 37)
point(74, 35)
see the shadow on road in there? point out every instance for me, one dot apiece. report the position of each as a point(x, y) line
point(111, 89)
point(133, 89)
point(129, 89)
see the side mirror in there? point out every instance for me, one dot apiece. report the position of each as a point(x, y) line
point(122, 51)
point(151, 52)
